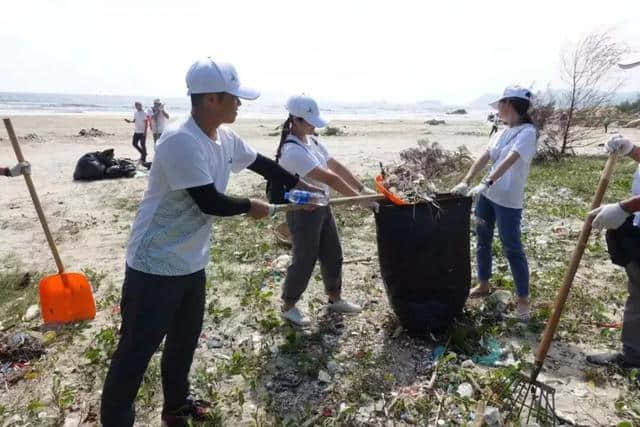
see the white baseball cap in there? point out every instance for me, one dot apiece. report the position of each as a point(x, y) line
point(629, 62)
point(207, 76)
point(306, 107)
point(513, 92)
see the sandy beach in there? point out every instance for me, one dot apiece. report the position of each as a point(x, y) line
point(82, 214)
point(91, 223)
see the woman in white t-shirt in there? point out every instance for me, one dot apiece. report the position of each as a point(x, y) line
point(500, 195)
point(314, 233)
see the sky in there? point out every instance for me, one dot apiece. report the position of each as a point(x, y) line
point(343, 51)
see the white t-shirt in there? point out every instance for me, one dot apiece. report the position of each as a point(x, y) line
point(508, 191)
point(302, 157)
point(139, 118)
point(635, 190)
point(170, 234)
point(158, 121)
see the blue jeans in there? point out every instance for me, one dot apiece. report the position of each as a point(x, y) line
point(508, 219)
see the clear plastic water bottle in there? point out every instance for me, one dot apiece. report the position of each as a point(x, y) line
point(301, 197)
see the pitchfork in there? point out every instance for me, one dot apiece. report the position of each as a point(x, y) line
point(524, 396)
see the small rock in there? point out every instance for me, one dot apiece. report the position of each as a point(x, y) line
point(492, 416)
point(72, 420)
point(499, 301)
point(441, 422)
point(32, 312)
point(214, 343)
point(12, 421)
point(324, 377)
point(468, 364)
point(333, 367)
point(465, 390)
point(281, 263)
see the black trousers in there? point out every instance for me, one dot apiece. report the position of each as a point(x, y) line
point(153, 307)
point(139, 143)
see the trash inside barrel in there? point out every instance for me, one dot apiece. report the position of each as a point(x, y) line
point(425, 261)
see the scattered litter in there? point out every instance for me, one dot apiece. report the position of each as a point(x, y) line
point(281, 263)
point(465, 390)
point(492, 416)
point(19, 347)
point(434, 122)
point(498, 301)
point(32, 312)
point(324, 377)
point(333, 367)
point(93, 132)
point(494, 352)
point(333, 131)
point(468, 364)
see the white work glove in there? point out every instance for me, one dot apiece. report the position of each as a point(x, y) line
point(620, 144)
point(461, 189)
point(478, 190)
point(609, 216)
point(20, 169)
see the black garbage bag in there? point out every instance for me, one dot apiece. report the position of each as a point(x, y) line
point(124, 168)
point(103, 165)
point(425, 260)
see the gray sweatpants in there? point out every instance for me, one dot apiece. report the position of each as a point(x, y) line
point(314, 236)
point(631, 319)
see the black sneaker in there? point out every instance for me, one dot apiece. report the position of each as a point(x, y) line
point(612, 359)
point(196, 410)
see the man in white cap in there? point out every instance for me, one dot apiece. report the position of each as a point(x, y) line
point(158, 117)
point(623, 240)
point(163, 294)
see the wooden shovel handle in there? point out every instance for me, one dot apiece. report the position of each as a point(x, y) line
point(563, 293)
point(34, 195)
point(335, 202)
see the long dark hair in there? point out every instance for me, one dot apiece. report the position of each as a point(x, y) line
point(522, 108)
point(286, 130)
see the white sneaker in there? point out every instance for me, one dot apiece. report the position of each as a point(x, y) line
point(344, 306)
point(295, 316)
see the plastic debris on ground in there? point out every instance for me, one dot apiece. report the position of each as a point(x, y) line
point(494, 353)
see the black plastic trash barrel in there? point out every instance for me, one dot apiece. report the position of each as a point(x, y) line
point(425, 260)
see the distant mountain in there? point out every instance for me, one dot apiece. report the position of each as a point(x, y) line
point(482, 102)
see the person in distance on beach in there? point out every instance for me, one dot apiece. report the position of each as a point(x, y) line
point(139, 121)
point(158, 117)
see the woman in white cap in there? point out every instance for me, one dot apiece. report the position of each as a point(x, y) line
point(500, 195)
point(314, 233)
point(623, 240)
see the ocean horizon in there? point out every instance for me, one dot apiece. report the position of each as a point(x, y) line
point(31, 103)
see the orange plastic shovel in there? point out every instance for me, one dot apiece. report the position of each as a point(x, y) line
point(64, 297)
point(396, 200)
